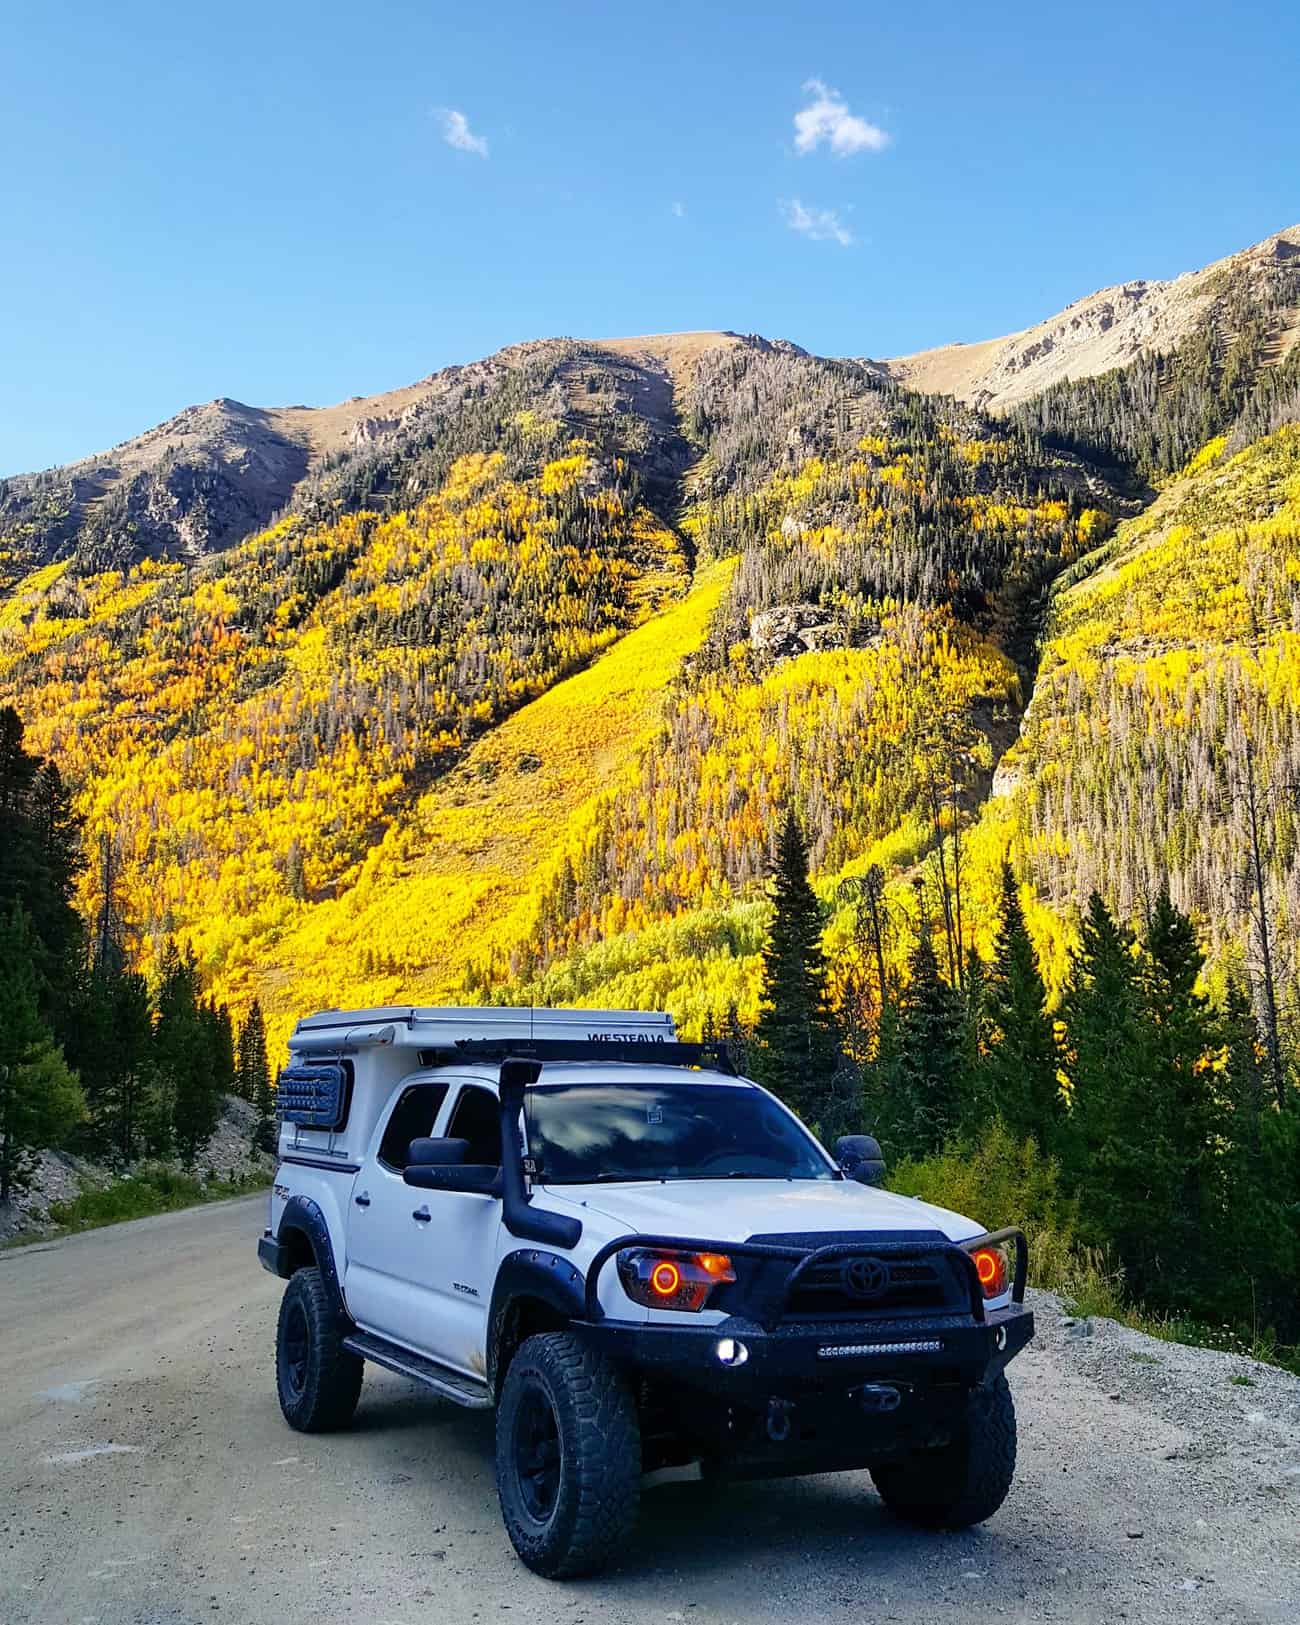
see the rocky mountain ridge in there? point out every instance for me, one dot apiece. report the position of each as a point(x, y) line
point(1110, 328)
point(217, 472)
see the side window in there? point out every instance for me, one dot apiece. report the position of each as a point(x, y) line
point(477, 1118)
point(411, 1118)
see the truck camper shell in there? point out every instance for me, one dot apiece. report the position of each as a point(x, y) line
point(344, 1063)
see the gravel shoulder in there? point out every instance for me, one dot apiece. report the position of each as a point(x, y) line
point(146, 1478)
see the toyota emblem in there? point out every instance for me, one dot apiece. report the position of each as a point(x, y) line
point(864, 1277)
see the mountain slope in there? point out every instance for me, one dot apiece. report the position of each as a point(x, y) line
point(1110, 329)
point(294, 746)
point(508, 698)
point(1170, 680)
point(449, 890)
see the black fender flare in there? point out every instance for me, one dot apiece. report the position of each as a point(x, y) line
point(301, 1213)
point(545, 1277)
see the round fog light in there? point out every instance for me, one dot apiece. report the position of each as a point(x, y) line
point(1000, 1337)
point(730, 1351)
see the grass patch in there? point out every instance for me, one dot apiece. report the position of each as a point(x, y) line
point(1202, 1334)
point(154, 1188)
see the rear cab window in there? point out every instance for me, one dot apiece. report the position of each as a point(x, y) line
point(413, 1116)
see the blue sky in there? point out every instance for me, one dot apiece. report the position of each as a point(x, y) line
point(261, 200)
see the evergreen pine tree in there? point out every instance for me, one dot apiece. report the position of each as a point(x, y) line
point(131, 1107)
point(219, 1036)
point(923, 1106)
point(795, 1037)
point(1110, 1159)
point(1256, 1240)
point(977, 1107)
point(1019, 1064)
point(184, 1055)
point(1183, 1114)
point(39, 862)
point(40, 1099)
point(254, 1067)
point(265, 1132)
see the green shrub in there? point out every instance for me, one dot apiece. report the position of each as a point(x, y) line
point(152, 1188)
point(1002, 1182)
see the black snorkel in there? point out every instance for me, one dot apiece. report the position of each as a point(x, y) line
point(521, 1218)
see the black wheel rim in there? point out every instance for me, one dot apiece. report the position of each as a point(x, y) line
point(536, 1452)
point(296, 1348)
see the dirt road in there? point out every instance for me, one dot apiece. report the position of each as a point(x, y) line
point(146, 1478)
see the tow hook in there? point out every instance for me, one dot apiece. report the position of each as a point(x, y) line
point(778, 1420)
point(877, 1397)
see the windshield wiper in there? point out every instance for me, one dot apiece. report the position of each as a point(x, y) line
point(605, 1178)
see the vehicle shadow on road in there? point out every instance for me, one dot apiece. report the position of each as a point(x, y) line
point(805, 1520)
point(393, 1405)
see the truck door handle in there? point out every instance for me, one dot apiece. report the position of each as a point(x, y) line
point(363, 1200)
point(422, 1214)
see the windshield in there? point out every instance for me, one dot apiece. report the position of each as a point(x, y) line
point(583, 1133)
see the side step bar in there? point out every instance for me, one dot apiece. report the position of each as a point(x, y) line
point(452, 1385)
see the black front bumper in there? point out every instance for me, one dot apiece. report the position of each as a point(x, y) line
point(828, 1397)
point(808, 1358)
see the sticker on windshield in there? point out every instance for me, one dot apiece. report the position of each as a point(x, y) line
point(654, 1114)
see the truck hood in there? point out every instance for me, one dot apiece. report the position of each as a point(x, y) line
point(735, 1209)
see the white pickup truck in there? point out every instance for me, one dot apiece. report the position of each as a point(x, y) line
point(638, 1259)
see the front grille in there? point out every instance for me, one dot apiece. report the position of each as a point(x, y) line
point(826, 1290)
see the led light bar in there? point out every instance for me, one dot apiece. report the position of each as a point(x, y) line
point(848, 1351)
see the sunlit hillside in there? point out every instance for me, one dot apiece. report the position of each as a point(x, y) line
point(1170, 681)
point(246, 734)
point(449, 891)
point(508, 698)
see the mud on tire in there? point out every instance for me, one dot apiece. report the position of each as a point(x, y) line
point(318, 1380)
point(568, 1456)
point(967, 1480)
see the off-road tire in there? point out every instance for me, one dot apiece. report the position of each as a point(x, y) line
point(966, 1480)
point(318, 1380)
point(567, 1506)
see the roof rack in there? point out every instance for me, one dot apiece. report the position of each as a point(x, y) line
point(635, 1052)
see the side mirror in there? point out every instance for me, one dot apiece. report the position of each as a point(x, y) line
point(861, 1158)
point(474, 1178)
point(427, 1153)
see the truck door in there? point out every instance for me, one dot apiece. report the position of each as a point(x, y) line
point(386, 1284)
point(461, 1238)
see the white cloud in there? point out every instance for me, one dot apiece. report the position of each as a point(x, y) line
point(679, 209)
point(827, 119)
point(457, 133)
point(819, 225)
